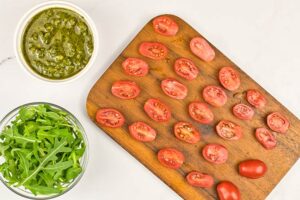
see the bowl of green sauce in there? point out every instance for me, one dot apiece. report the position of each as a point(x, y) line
point(56, 41)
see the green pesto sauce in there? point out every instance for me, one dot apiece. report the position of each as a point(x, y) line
point(57, 43)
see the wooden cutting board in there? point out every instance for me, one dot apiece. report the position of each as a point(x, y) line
point(278, 160)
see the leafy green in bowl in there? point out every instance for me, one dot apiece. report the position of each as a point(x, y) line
point(42, 150)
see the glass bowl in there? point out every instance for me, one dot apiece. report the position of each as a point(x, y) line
point(83, 160)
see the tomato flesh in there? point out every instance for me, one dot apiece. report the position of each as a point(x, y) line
point(186, 132)
point(228, 191)
point(215, 153)
point(243, 111)
point(277, 122)
point(153, 50)
point(256, 98)
point(252, 169)
point(229, 78)
point(125, 89)
point(174, 88)
point(142, 132)
point(109, 117)
point(229, 130)
point(214, 95)
point(266, 138)
point(157, 110)
point(198, 179)
point(135, 67)
point(200, 47)
point(165, 26)
point(186, 68)
point(200, 112)
point(170, 157)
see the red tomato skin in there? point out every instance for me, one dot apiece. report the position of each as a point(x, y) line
point(252, 168)
point(135, 67)
point(229, 78)
point(153, 50)
point(278, 123)
point(190, 138)
point(200, 112)
point(102, 119)
point(125, 89)
point(201, 48)
point(228, 191)
point(198, 179)
point(165, 26)
point(186, 68)
point(149, 108)
point(214, 95)
point(266, 138)
point(243, 112)
point(215, 153)
point(171, 158)
point(256, 98)
point(140, 135)
point(174, 88)
point(229, 130)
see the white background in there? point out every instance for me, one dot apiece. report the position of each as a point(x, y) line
point(262, 37)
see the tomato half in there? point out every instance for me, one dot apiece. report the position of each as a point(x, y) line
point(277, 122)
point(200, 47)
point(242, 111)
point(229, 78)
point(153, 50)
point(135, 67)
point(199, 179)
point(215, 153)
point(186, 68)
point(109, 117)
point(228, 191)
point(266, 138)
point(200, 112)
point(186, 132)
point(142, 132)
point(174, 88)
point(214, 95)
point(157, 110)
point(252, 168)
point(256, 98)
point(170, 157)
point(125, 89)
point(165, 26)
point(229, 130)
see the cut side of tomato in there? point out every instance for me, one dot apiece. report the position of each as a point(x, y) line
point(153, 50)
point(252, 168)
point(266, 138)
point(135, 67)
point(200, 112)
point(165, 26)
point(242, 111)
point(256, 98)
point(214, 95)
point(277, 122)
point(198, 179)
point(229, 130)
point(200, 47)
point(174, 88)
point(157, 110)
point(109, 117)
point(215, 153)
point(170, 157)
point(186, 68)
point(229, 78)
point(142, 132)
point(186, 132)
point(125, 89)
point(228, 191)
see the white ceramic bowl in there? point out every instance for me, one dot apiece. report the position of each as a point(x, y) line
point(24, 22)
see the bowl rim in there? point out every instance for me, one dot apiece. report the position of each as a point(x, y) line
point(84, 159)
point(23, 22)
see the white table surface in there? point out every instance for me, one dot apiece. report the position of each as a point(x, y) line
point(262, 37)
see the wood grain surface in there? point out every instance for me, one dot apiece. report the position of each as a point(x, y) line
point(278, 160)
